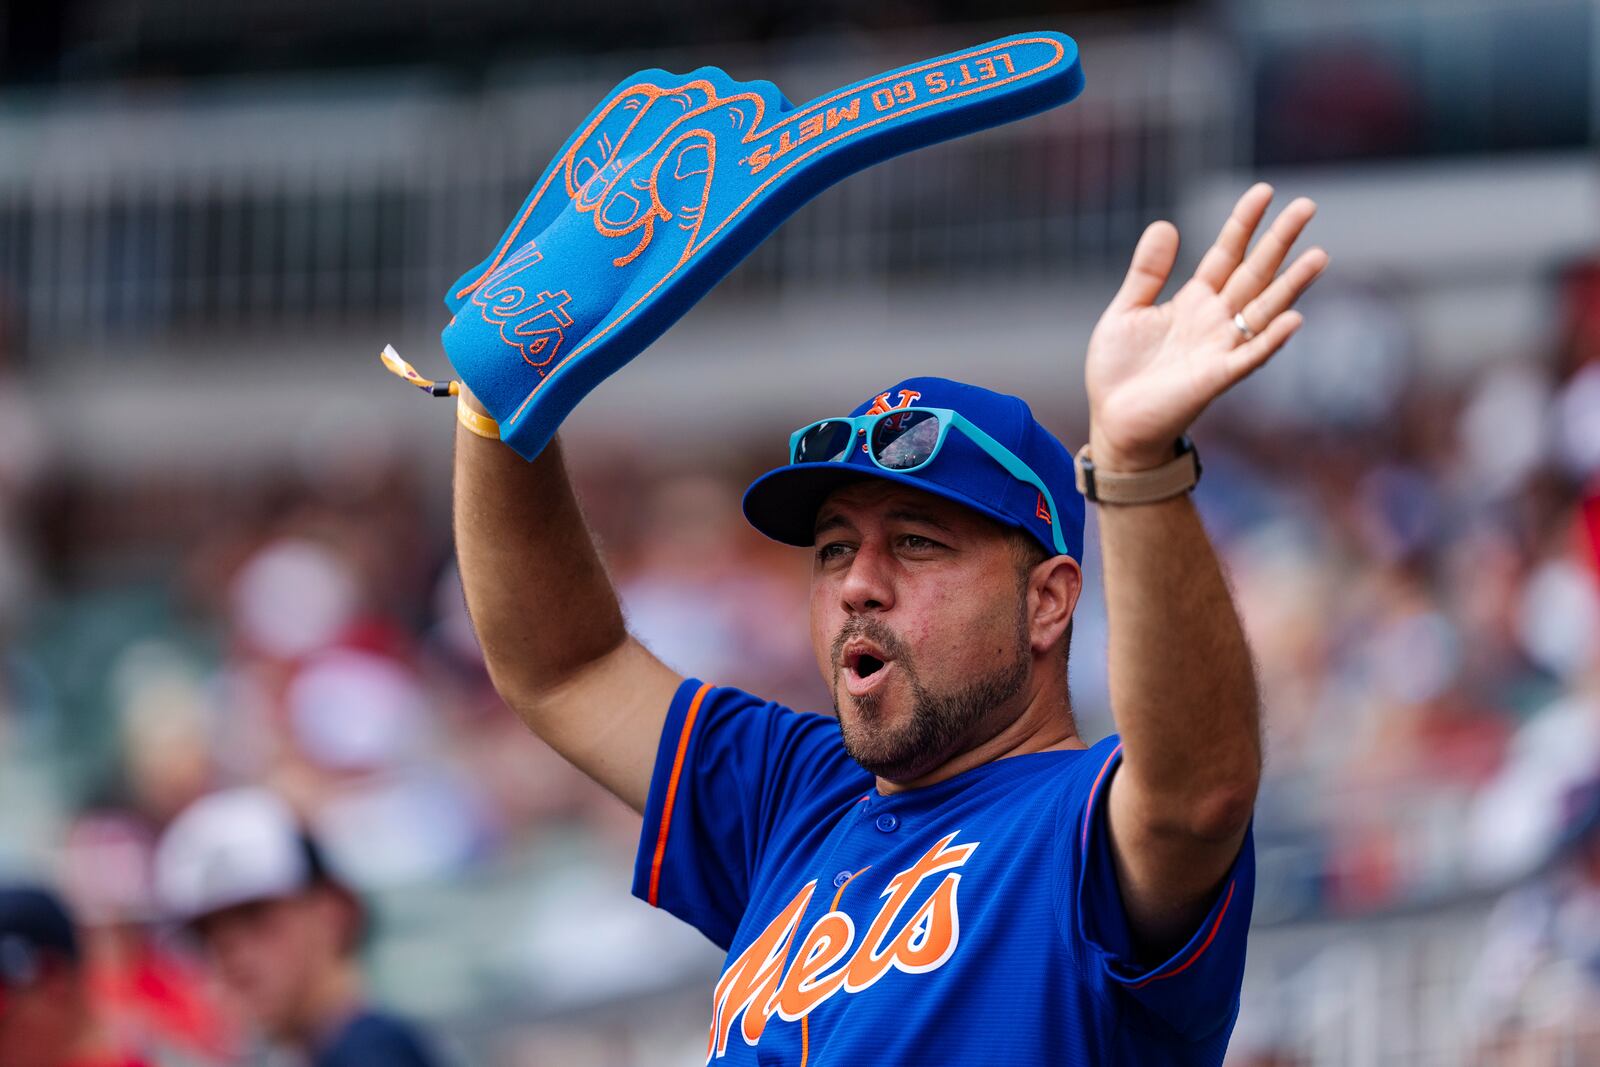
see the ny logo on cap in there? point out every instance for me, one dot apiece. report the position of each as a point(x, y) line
point(880, 403)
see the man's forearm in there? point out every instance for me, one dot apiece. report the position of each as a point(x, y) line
point(1183, 688)
point(536, 588)
point(548, 619)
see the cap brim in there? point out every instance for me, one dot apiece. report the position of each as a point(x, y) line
point(783, 503)
point(213, 908)
point(192, 919)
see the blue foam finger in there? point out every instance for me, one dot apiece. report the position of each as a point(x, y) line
point(607, 133)
point(669, 183)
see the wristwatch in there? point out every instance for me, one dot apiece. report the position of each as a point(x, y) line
point(1171, 479)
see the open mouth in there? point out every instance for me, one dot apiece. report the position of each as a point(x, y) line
point(864, 667)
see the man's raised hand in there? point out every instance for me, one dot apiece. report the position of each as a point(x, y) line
point(1152, 368)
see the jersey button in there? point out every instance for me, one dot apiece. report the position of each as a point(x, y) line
point(840, 879)
point(887, 823)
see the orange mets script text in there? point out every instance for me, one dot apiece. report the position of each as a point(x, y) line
point(767, 978)
point(534, 325)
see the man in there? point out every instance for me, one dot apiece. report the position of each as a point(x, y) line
point(239, 870)
point(46, 1015)
point(948, 874)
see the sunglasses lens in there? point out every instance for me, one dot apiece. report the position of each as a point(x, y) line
point(905, 439)
point(826, 442)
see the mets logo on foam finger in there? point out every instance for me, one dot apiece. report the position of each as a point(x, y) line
point(767, 979)
point(534, 326)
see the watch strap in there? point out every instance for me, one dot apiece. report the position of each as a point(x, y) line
point(1171, 479)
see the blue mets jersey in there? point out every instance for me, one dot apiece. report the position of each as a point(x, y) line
point(973, 921)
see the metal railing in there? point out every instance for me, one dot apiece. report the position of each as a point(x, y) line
point(1460, 986)
point(307, 206)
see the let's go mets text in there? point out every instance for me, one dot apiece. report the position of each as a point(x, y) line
point(954, 77)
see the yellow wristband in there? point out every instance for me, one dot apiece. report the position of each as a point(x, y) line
point(480, 424)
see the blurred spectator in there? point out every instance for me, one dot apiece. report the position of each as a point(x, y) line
point(152, 998)
point(697, 594)
point(1538, 982)
point(282, 930)
point(1337, 99)
point(47, 1016)
point(1579, 302)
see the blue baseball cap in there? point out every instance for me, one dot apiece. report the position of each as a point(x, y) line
point(783, 503)
point(33, 923)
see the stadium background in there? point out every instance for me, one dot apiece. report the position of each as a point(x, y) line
point(224, 544)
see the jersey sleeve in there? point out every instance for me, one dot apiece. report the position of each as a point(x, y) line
point(728, 766)
point(1196, 990)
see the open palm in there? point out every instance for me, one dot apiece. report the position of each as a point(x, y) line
point(1152, 368)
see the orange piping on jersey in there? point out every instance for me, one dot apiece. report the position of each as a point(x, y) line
point(805, 1020)
point(1094, 791)
point(672, 793)
point(1199, 951)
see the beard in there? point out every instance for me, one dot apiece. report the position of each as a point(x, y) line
point(942, 723)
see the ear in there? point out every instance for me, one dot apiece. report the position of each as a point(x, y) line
point(347, 914)
point(1053, 588)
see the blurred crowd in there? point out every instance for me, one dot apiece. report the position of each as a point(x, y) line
point(1415, 558)
point(1420, 586)
point(1418, 565)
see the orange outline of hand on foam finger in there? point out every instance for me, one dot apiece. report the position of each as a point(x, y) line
point(755, 132)
point(658, 209)
point(655, 92)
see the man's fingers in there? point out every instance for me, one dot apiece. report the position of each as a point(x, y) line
point(1224, 256)
point(1241, 361)
point(1286, 289)
point(1153, 258)
point(1258, 268)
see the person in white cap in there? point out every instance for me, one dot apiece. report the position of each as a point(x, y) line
point(240, 870)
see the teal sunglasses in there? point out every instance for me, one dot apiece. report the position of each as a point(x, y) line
point(908, 439)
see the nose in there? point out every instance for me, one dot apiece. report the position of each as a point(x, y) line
point(869, 583)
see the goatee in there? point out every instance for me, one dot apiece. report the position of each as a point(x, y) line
point(940, 724)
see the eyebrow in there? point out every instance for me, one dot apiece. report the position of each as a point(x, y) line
point(834, 520)
point(926, 518)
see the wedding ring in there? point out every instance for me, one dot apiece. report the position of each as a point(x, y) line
point(1242, 326)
